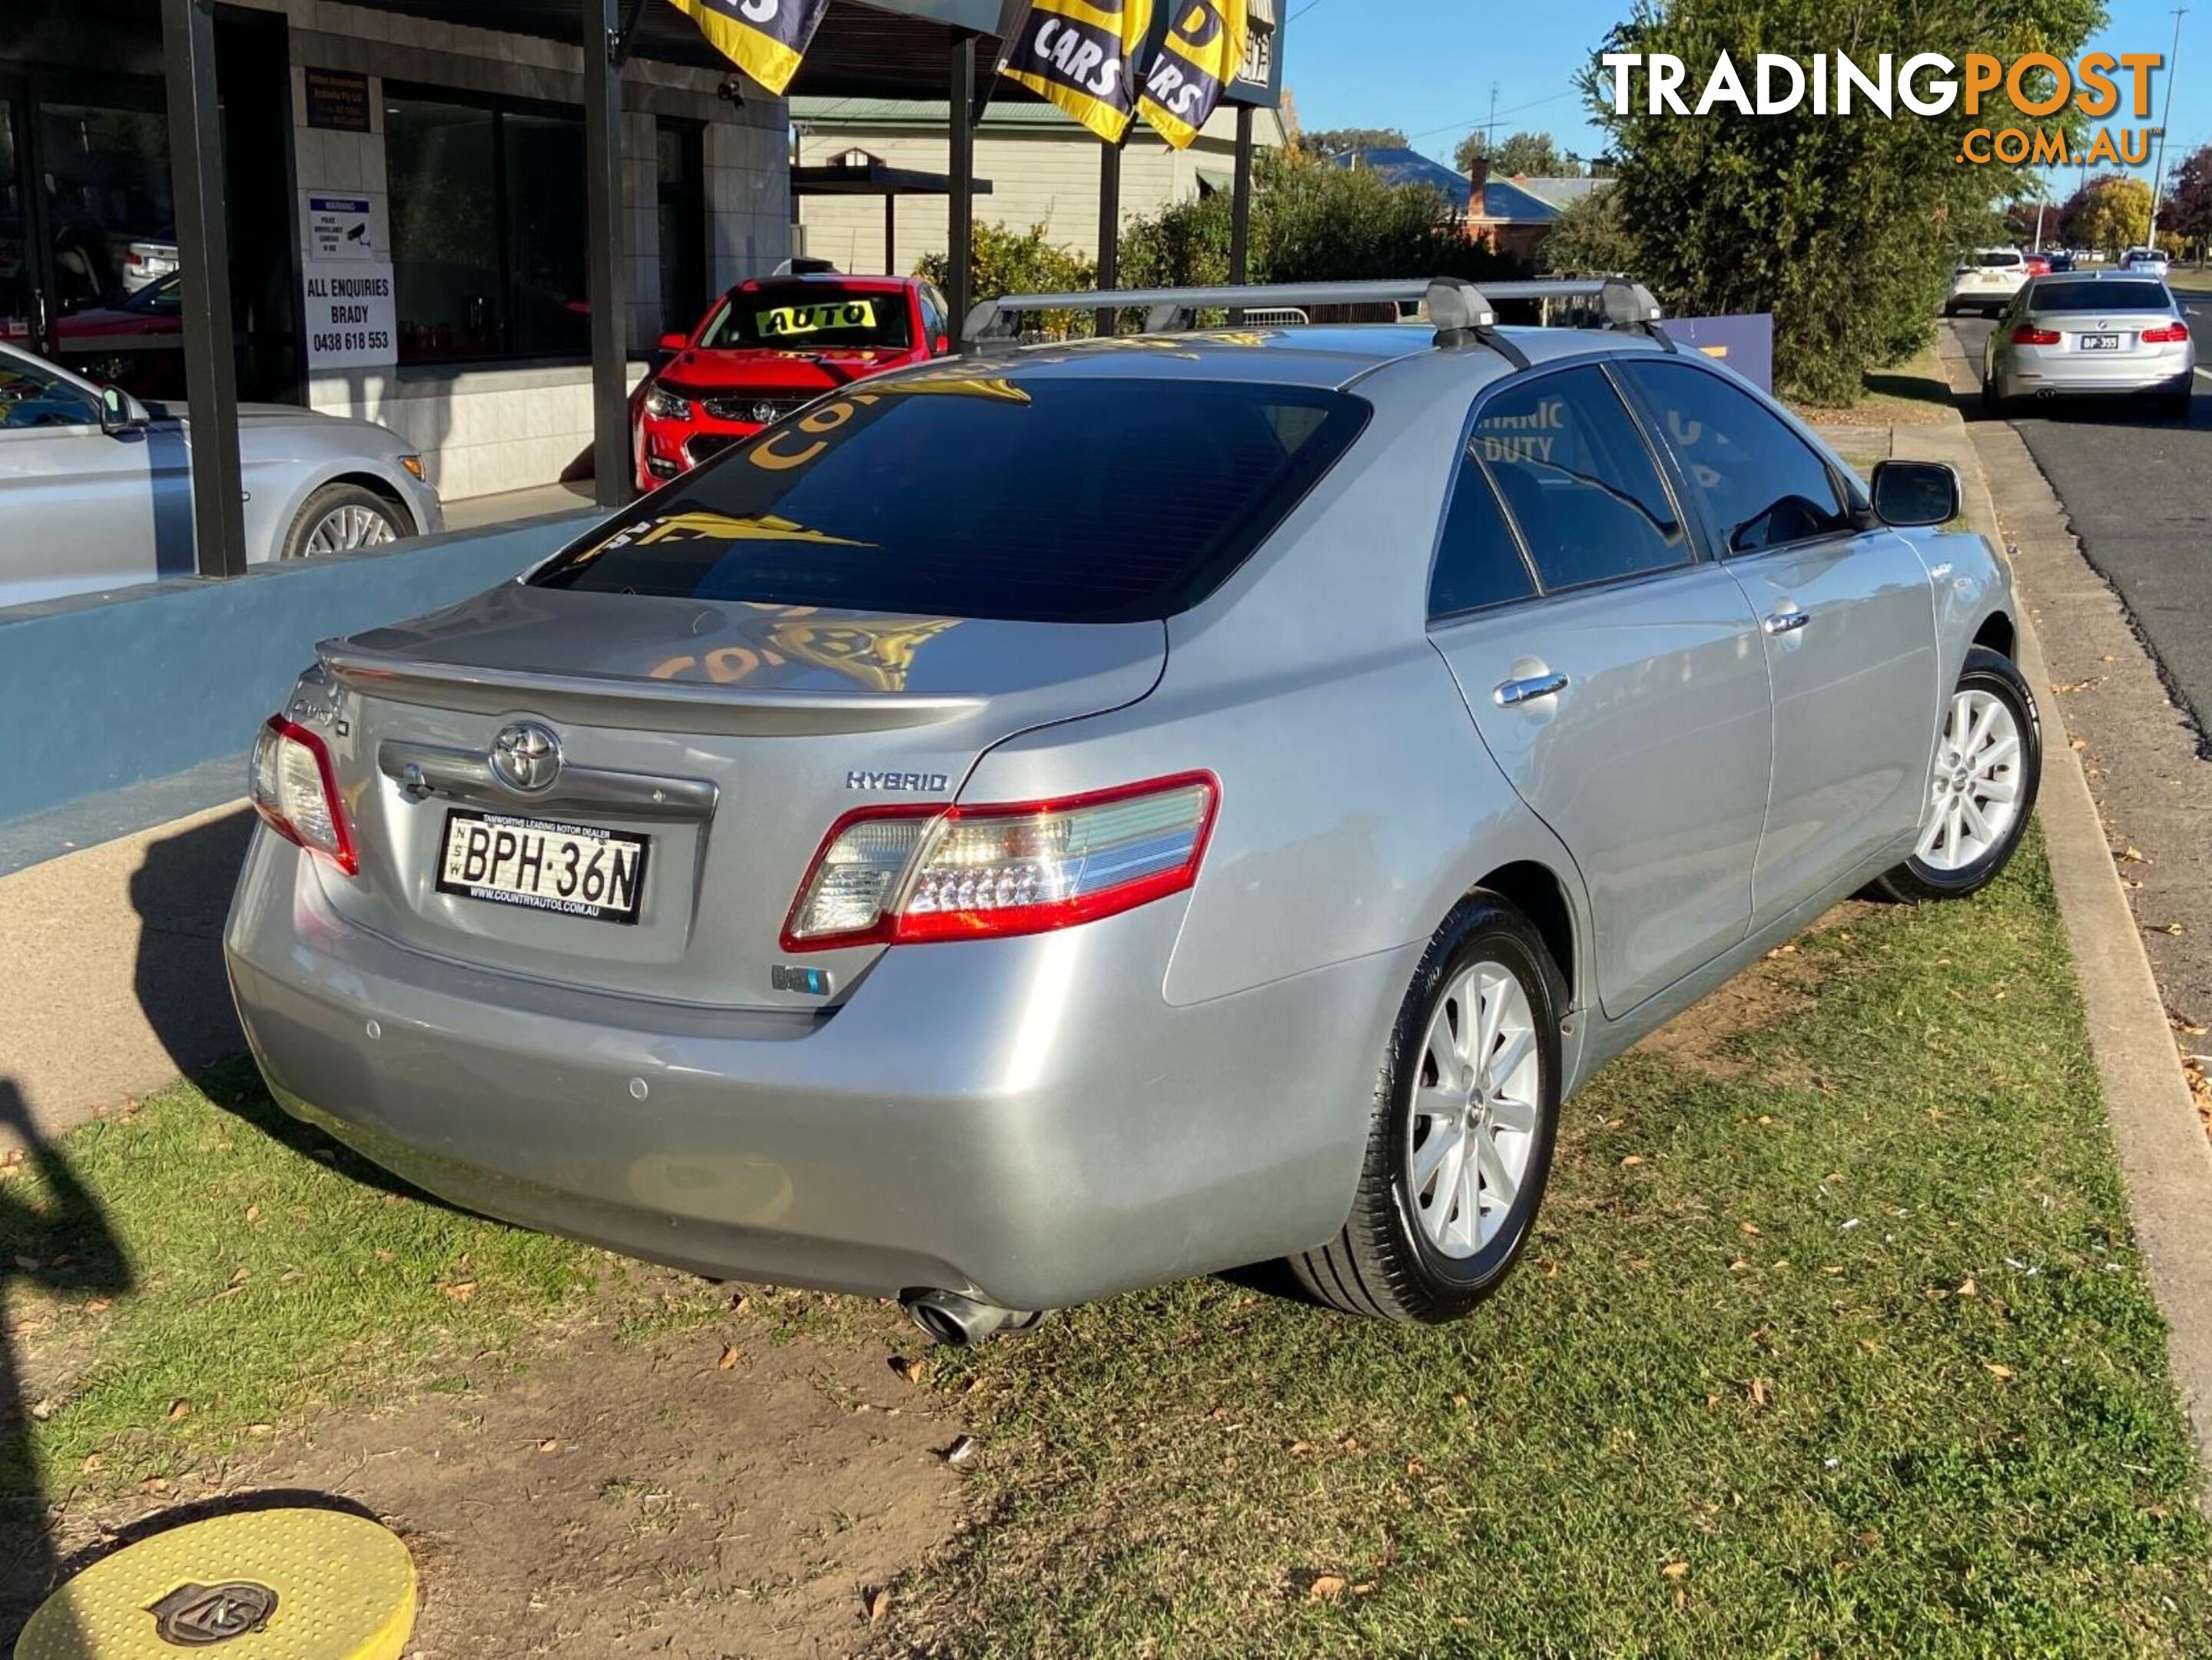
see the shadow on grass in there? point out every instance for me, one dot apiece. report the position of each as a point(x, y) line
point(61, 1244)
point(1910, 389)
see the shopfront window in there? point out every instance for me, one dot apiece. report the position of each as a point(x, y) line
point(682, 169)
point(106, 175)
point(488, 237)
point(16, 308)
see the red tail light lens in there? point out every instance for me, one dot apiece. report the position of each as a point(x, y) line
point(2028, 335)
point(2166, 335)
point(906, 875)
point(297, 793)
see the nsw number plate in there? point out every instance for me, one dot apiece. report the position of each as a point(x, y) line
point(2100, 343)
point(575, 870)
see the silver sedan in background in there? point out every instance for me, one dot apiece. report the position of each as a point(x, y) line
point(2095, 333)
point(95, 487)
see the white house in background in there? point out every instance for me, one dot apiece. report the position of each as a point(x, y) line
point(1044, 170)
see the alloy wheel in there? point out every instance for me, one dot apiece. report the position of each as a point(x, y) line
point(343, 529)
point(1977, 782)
point(1473, 1124)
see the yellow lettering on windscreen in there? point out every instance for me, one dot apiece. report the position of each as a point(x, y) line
point(813, 320)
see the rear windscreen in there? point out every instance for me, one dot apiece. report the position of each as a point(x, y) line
point(960, 495)
point(2100, 296)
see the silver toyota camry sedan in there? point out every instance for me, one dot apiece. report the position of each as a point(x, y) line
point(2097, 333)
point(1075, 816)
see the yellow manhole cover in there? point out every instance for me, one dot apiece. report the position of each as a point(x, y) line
point(277, 1584)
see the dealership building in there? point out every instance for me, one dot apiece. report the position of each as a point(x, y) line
point(408, 192)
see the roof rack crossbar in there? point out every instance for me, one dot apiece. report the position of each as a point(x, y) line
point(1458, 308)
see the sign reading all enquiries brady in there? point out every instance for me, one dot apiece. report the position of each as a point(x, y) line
point(351, 322)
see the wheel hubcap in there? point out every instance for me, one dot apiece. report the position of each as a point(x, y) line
point(1472, 1125)
point(1977, 783)
point(343, 529)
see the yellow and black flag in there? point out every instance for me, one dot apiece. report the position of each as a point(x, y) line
point(1204, 50)
point(764, 38)
point(1082, 55)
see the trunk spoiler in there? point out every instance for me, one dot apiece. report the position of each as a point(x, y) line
point(682, 706)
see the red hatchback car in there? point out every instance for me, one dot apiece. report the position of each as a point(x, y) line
point(769, 346)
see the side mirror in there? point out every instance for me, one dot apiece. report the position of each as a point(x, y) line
point(1913, 494)
point(674, 342)
point(117, 412)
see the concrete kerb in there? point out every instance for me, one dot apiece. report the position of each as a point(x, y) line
point(2164, 1154)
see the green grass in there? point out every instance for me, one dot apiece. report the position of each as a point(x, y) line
point(1670, 1434)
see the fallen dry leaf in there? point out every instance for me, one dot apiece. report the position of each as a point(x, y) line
point(1631, 1162)
point(1967, 1286)
point(740, 1302)
point(261, 1429)
point(461, 1289)
point(42, 1410)
point(1747, 1227)
point(963, 1451)
point(2001, 1373)
point(1302, 1450)
point(1674, 1570)
point(1327, 1588)
point(1758, 1391)
point(878, 1605)
point(253, 1213)
point(2132, 855)
point(551, 1443)
point(912, 1370)
point(729, 1359)
point(99, 1304)
point(180, 1409)
point(93, 1461)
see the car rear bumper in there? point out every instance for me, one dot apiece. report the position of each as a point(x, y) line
point(1024, 1121)
point(2076, 375)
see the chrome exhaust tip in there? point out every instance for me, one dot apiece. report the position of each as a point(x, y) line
point(960, 1322)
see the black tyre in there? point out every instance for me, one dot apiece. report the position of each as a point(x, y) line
point(1466, 1111)
point(1989, 762)
point(2173, 405)
point(344, 519)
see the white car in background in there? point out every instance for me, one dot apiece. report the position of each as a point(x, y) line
point(1986, 280)
point(2145, 262)
point(95, 487)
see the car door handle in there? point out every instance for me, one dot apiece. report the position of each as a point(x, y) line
point(1512, 694)
point(1786, 622)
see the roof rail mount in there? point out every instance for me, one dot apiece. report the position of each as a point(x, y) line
point(1460, 310)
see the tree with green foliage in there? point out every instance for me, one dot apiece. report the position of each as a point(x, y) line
point(1845, 227)
point(2114, 213)
point(1532, 155)
point(1311, 222)
point(1589, 240)
point(2187, 210)
point(1021, 262)
point(1342, 141)
point(1474, 147)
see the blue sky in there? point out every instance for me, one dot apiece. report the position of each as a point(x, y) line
point(1427, 66)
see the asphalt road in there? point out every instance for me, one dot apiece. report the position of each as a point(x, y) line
point(2138, 490)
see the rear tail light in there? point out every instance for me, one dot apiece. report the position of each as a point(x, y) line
point(905, 875)
point(2028, 335)
point(2166, 335)
point(297, 793)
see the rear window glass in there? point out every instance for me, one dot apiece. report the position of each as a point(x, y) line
point(957, 495)
point(2100, 296)
point(2000, 258)
point(810, 316)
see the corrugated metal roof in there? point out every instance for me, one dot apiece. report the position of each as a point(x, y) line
point(1501, 198)
point(1561, 193)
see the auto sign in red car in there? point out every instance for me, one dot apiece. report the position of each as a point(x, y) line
point(769, 346)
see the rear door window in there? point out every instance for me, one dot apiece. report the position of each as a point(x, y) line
point(1762, 486)
point(1478, 562)
point(956, 494)
point(1577, 476)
